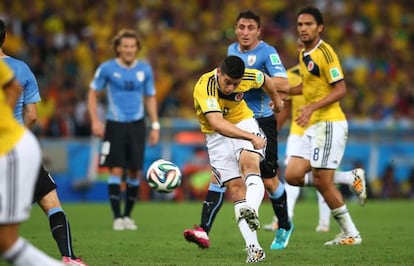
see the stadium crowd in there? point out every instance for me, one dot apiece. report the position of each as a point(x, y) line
point(64, 42)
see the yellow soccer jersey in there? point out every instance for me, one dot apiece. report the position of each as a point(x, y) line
point(10, 130)
point(297, 101)
point(208, 98)
point(320, 68)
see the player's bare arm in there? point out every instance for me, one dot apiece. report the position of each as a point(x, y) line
point(96, 124)
point(281, 85)
point(151, 107)
point(284, 115)
point(29, 114)
point(297, 90)
point(12, 91)
point(337, 93)
point(270, 88)
point(224, 127)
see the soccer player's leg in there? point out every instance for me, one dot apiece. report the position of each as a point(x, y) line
point(113, 156)
point(47, 198)
point(277, 195)
point(323, 170)
point(211, 206)
point(324, 214)
point(135, 159)
point(247, 220)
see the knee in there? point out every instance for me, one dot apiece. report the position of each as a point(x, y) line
point(237, 189)
point(294, 179)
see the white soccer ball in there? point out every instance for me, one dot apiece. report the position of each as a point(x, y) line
point(163, 176)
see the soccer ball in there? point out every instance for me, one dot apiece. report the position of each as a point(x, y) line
point(163, 176)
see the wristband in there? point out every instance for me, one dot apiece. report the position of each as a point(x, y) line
point(156, 125)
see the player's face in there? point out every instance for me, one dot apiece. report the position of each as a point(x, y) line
point(127, 50)
point(247, 32)
point(227, 84)
point(308, 30)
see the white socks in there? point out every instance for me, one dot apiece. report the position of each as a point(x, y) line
point(343, 218)
point(22, 253)
point(255, 191)
point(249, 236)
point(292, 195)
point(324, 211)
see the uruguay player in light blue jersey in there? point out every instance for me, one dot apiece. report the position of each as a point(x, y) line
point(45, 193)
point(130, 94)
point(26, 104)
point(259, 55)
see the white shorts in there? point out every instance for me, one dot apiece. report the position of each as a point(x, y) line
point(224, 152)
point(292, 143)
point(323, 144)
point(18, 173)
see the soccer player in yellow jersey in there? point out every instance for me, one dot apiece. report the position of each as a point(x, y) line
point(19, 163)
point(294, 103)
point(323, 143)
point(352, 178)
point(234, 141)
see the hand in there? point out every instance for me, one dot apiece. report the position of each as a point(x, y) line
point(278, 107)
point(154, 137)
point(304, 116)
point(98, 129)
point(258, 142)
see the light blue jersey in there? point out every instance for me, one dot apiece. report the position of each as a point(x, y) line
point(265, 58)
point(28, 81)
point(125, 89)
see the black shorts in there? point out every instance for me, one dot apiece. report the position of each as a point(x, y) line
point(123, 145)
point(44, 184)
point(269, 166)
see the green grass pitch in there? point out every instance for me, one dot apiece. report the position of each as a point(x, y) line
point(386, 228)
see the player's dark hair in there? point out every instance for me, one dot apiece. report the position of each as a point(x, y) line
point(314, 12)
point(125, 33)
point(248, 14)
point(2, 32)
point(233, 66)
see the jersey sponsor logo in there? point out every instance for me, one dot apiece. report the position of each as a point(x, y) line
point(274, 59)
point(239, 96)
point(140, 76)
point(334, 72)
point(251, 59)
point(117, 75)
point(311, 65)
point(212, 103)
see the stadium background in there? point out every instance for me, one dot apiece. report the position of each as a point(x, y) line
point(63, 43)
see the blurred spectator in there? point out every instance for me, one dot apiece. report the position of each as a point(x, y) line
point(64, 43)
point(390, 187)
point(411, 183)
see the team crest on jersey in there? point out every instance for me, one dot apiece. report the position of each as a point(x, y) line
point(239, 96)
point(251, 59)
point(311, 65)
point(274, 59)
point(334, 72)
point(212, 103)
point(140, 76)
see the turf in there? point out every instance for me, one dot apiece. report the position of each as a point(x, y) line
point(386, 228)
